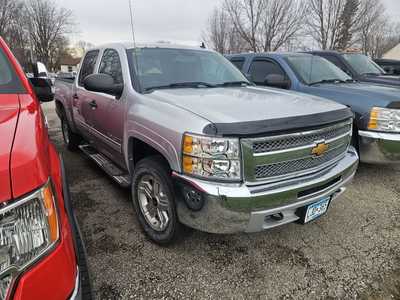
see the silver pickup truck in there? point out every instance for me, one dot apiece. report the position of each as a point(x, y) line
point(201, 146)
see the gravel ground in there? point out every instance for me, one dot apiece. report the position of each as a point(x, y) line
point(352, 252)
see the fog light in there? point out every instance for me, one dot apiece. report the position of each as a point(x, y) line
point(193, 199)
point(4, 286)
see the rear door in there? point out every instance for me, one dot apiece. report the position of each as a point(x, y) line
point(109, 114)
point(81, 102)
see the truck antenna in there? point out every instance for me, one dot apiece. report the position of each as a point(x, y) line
point(133, 35)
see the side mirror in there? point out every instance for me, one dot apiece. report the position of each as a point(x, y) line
point(389, 70)
point(276, 80)
point(102, 83)
point(43, 89)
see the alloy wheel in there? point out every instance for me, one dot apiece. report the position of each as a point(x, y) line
point(154, 203)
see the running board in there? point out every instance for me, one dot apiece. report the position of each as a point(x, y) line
point(119, 176)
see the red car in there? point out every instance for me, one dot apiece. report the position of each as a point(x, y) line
point(41, 252)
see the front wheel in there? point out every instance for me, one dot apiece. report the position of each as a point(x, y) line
point(154, 200)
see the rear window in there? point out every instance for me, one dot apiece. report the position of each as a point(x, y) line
point(9, 81)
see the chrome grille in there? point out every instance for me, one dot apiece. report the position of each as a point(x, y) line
point(287, 167)
point(286, 156)
point(298, 141)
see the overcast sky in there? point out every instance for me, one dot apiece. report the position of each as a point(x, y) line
point(181, 21)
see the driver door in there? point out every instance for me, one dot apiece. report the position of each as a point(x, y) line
point(260, 68)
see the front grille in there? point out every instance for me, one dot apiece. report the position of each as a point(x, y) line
point(295, 154)
point(287, 167)
point(281, 143)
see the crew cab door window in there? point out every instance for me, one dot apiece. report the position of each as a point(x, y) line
point(260, 69)
point(238, 62)
point(88, 65)
point(111, 64)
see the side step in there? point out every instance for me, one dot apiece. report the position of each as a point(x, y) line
point(120, 176)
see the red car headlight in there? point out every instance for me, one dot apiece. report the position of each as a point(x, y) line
point(28, 229)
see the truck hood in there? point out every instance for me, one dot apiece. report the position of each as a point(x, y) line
point(233, 105)
point(382, 79)
point(365, 94)
point(9, 111)
point(30, 158)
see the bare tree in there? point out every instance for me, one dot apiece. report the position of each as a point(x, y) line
point(373, 26)
point(222, 35)
point(247, 18)
point(347, 23)
point(7, 9)
point(48, 25)
point(323, 21)
point(11, 29)
point(217, 32)
point(265, 25)
point(282, 21)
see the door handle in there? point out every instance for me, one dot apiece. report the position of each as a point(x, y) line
point(93, 104)
point(75, 99)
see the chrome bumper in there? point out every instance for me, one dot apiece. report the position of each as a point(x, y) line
point(77, 292)
point(231, 208)
point(379, 148)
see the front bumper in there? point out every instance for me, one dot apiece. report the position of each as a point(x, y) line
point(379, 148)
point(77, 292)
point(232, 208)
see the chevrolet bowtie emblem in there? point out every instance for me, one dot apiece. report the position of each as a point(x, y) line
point(320, 149)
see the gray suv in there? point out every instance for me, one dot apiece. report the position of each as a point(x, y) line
point(201, 146)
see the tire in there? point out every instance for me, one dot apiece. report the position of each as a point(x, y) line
point(71, 139)
point(154, 171)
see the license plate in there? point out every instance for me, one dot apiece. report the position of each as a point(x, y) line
point(316, 210)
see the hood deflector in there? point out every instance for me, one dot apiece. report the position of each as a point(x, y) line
point(278, 126)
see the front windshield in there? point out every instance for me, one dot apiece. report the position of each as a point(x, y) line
point(362, 64)
point(163, 67)
point(9, 82)
point(314, 69)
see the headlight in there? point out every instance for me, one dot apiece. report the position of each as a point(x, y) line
point(384, 119)
point(28, 229)
point(211, 157)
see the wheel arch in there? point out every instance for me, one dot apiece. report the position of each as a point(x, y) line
point(140, 147)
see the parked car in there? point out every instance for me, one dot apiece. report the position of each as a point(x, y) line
point(68, 76)
point(360, 67)
point(376, 107)
point(201, 146)
point(41, 251)
point(390, 66)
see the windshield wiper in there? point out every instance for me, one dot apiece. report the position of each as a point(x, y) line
point(234, 83)
point(328, 81)
point(371, 74)
point(197, 84)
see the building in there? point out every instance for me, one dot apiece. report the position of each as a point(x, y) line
point(393, 53)
point(69, 64)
